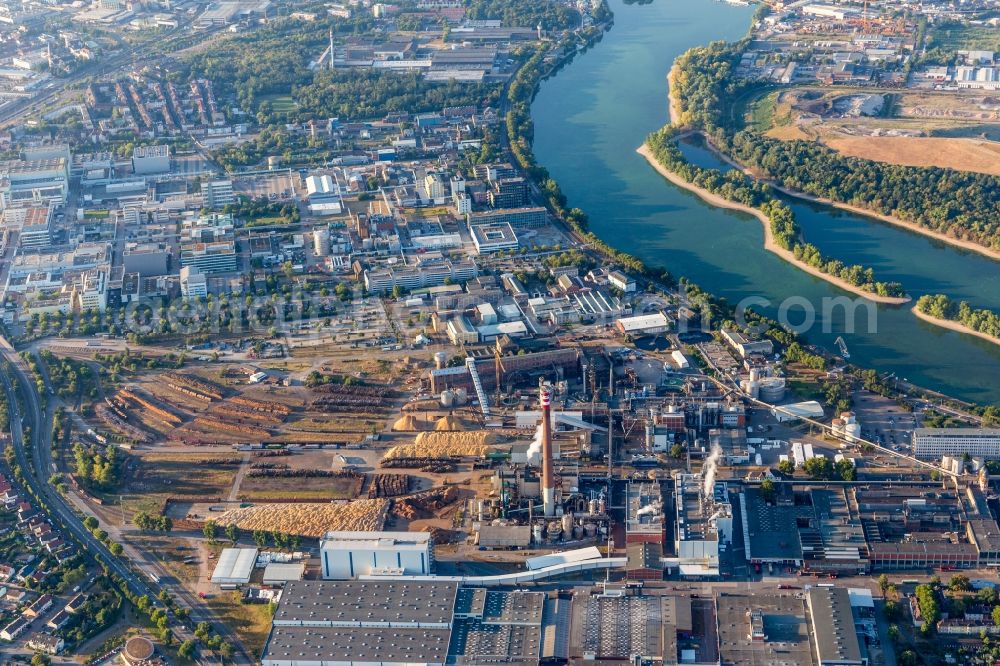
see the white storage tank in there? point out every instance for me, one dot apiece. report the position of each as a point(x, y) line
point(447, 398)
point(772, 389)
point(853, 431)
point(440, 360)
point(321, 242)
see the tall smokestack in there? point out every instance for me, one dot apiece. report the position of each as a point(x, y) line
point(548, 476)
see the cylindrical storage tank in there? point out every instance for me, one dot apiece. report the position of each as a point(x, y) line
point(772, 389)
point(536, 532)
point(590, 530)
point(440, 360)
point(754, 374)
point(447, 398)
point(461, 396)
point(602, 505)
point(273, 162)
point(837, 425)
point(592, 507)
point(848, 417)
point(321, 242)
point(480, 507)
point(577, 533)
point(567, 523)
point(853, 431)
point(554, 530)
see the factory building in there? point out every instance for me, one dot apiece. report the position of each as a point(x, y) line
point(704, 521)
point(835, 638)
point(650, 324)
point(644, 522)
point(347, 555)
point(421, 622)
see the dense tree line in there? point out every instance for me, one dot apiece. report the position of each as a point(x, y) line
point(525, 13)
point(702, 80)
point(271, 59)
point(942, 307)
point(736, 186)
point(369, 93)
point(960, 204)
point(95, 467)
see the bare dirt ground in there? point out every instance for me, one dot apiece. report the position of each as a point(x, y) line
point(961, 154)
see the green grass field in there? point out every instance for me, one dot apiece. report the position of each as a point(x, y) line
point(952, 37)
point(280, 103)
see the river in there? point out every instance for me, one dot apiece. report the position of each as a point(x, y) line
point(590, 118)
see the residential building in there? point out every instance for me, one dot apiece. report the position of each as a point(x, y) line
point(45, 643)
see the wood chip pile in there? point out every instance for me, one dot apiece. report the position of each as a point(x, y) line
point(310, 519)
point(474, 444)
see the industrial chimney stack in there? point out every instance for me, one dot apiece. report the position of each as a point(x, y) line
point(548, 476)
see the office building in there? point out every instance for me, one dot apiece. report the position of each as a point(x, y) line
point(150, 160)
point(92, 290)
point(36, 227)
point(214, 257)
point(508, 193)
point(517, 218)
point(218, 194)
point(423, 274)
point(351, 554)
point(34, 183)
point(490, 238)
point(146, 259)
point(194, 284)
point(937, 442)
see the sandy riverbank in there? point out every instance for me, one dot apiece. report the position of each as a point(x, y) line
point(769, 243)
point(953, 326)
point(888, 219)
point(673, 107)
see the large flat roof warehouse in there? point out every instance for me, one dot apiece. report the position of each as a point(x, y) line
point(650, 323)
point(235, 566)
point(369, 603)
point(355, 645)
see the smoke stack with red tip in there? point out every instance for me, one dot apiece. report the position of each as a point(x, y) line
point(548, 476)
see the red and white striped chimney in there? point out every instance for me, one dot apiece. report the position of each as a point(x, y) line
point(548, 476)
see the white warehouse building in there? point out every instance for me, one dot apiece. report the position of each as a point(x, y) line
point(347, 555)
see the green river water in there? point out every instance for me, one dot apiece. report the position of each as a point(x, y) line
point(590, 118)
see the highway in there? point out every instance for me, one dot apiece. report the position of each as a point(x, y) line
point(36, 475)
